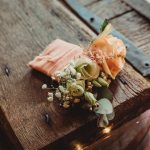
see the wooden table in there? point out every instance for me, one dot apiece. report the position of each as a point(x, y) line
point(26, 27)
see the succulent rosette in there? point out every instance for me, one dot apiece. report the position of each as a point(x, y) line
point(88, 69)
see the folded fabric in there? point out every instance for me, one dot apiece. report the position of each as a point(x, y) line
point(55, 57)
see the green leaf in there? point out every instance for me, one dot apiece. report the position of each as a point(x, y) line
point(111, 116)
point(95, 83)
point(103, 26)
point(81, 83)
point(105, 107)
point(89, 97)
point(106, 93)
point(102, 121)
point(103, 82)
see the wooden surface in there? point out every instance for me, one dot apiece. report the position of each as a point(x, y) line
point(140, 6)
point(26, 28)
point(131, 135)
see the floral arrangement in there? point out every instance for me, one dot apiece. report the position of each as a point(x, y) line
point(84, 76)
point(81, 80)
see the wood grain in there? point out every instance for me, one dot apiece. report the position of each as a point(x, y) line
point(126, 137)
point(28, 31)
point(136, 28)
point(124, 19)
point(143, 7)
point(109, 9)
point(26, 28)
point(87, 2)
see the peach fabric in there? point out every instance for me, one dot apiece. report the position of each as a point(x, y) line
point(55, 57)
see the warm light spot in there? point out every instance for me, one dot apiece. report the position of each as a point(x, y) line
point(107, 130)
point(78, 147)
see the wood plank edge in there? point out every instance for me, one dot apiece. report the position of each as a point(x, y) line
point(120, 118)
point(129, 113)
point(5, 126)
point(130, 118)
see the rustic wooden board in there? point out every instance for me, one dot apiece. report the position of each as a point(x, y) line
point(108, 9)
point(143, 7)
point(26, 28)
point(136, 28)
point(124, 19)
point(87, 2)
point(133, 134)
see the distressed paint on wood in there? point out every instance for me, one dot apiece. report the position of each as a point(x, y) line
point(107, 8)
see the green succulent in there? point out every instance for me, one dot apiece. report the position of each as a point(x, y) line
point(89, 69)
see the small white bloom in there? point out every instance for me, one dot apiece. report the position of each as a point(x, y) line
point(71, 97)
point(67, 98)
point(58, 94)
point(89, 83)
point(50, 94)
point(73, 80)
point(76, 100)
point(63, 74)
point(105, 78)
point(72, 63)
point(57, 90)
point(63, 90)
point(89, 87)
point(44, 86)
point(57, 73)
point(78, 75)
point(90, 109)
point(53, 78)
point(72, 70)
point(50, 99)
point(67, 70)
point(65, 105)
point(67, 102)
point(103, 74)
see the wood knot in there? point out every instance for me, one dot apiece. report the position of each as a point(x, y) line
point(47, 118)
point(6, 70)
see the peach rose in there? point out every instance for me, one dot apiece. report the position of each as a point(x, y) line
point(109, 52)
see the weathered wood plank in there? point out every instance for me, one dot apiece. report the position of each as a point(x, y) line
point(107, 9)
point(125, 20)
point(128, 136)
point(25, 32)
point(87, 2)
point(143, 7)
point(136, 28)
point(26, 28)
